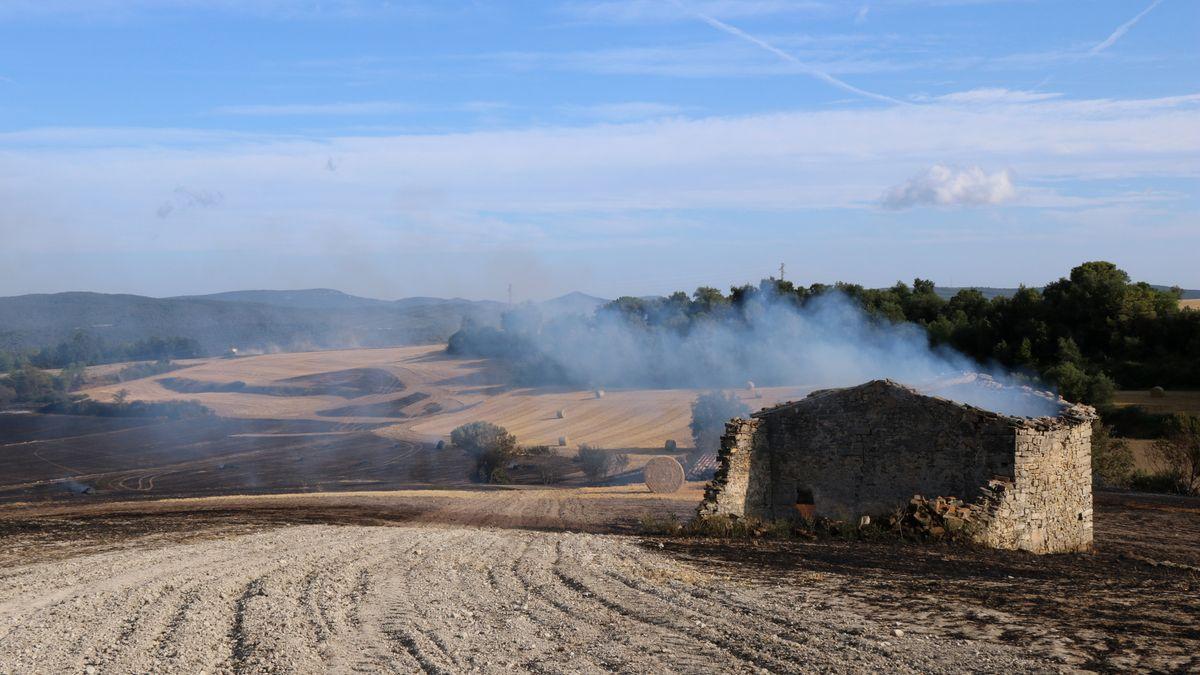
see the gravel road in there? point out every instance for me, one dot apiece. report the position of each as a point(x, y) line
point(325, 598)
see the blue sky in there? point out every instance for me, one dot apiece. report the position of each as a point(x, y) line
point(450, 148)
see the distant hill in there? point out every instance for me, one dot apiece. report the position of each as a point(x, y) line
point(255, 320)
point(572, 303)
point(315, 298)
point(250, 320)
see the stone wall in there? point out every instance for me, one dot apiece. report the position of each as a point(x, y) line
point(730, 489)
point(1048, 506)
point(868, 450)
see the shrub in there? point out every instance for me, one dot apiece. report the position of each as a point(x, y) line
point(655, 523)
point(670, 445)
point(598, 463)
point(1179, 450)
point(137, 371)
point(174, 410)
point(1135, 422)
point(1159, 481)
point(1112, 458)
point(722, 526)
point(7, 394)
point(551, 471)
point(492, 447)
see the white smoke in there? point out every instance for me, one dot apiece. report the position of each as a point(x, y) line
point(829, 342)
point(186, 198)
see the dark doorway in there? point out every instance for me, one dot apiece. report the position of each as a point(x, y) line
point(805, 506)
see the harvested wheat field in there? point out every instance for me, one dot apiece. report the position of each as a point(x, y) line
point(1172, 401)
point(430, 394)
point(406, 582)
point(1192, 303)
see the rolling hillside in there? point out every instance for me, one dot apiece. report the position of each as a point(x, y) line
point(252, 321)
point(430, 395)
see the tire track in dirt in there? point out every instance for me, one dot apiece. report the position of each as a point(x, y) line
point(320, 598)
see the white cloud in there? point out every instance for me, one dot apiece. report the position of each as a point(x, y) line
point(55, 181)
point(624, 111)
point(941, 185)
point(1122, 29)
point(992, 95)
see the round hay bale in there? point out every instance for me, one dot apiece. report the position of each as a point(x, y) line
point(562, 441)
point(663, 475)
point(561, 414)
point(599, 393)
point(670, 445)
point(1158, 392)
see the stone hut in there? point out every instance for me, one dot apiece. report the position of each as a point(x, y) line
point(868, 450)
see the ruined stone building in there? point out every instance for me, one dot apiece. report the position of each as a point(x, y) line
point(867, 450)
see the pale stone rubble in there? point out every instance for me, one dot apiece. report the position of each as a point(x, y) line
point(1024, 483)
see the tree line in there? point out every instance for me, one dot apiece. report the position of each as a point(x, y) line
point(87, 349)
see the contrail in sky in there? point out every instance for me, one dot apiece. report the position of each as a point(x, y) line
point(819, 74)
point(1122, 30)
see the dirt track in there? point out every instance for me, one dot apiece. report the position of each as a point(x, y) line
point(435, 599)
point(492, 580)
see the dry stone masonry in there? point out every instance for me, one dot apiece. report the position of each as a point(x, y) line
point(869, 450)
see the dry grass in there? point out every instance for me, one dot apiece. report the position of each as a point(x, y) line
point(1143, 455)
point(1173, 402)
point(464, 390)
point(1194, 303)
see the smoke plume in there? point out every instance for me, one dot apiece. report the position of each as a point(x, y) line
point(828, 342)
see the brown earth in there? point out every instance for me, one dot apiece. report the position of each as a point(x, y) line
point(502, 580)
point(88, 458)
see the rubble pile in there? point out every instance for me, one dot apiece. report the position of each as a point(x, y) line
point(936, 518)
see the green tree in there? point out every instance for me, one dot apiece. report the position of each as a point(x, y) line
point(706, 300)
point(490, 445)
point(33, 385)
point(710, 412)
